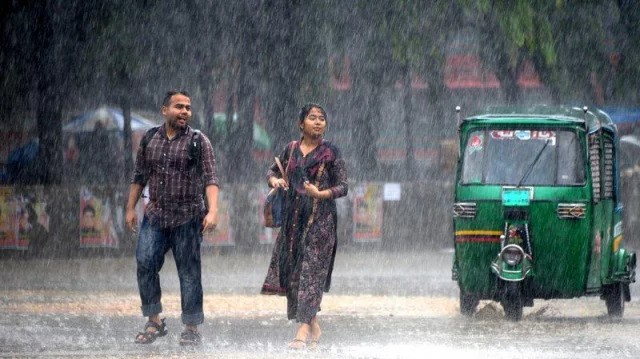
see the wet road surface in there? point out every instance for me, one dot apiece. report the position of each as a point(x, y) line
point(382, 305)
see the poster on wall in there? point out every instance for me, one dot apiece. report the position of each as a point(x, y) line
point(367, 213)
point(8, 210)
point(267, 235)
point(39, 227)
point(223, 234)
point(23, 219)
point(97, 225)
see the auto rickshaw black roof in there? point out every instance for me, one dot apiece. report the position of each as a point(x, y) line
point(592, 120)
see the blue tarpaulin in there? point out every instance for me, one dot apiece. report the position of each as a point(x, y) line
point(623, 114)
point(111, 119)
point(22, 166)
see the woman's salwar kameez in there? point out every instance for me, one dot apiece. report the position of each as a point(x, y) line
point(305, 249)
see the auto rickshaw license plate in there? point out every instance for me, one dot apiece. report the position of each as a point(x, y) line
point(516, 196)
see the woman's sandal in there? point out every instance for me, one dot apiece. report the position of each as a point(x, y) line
point(313, 344)
point(148, 337)
point(315, 337)
point(297, 344)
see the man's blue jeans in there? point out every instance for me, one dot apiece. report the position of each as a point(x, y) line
point(184, 241)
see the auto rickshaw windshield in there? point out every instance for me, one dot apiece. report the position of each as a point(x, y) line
point(512, 157)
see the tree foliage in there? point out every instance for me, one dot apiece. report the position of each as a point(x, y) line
point(58, 57)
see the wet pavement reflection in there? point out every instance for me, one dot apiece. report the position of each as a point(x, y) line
point(382, 305)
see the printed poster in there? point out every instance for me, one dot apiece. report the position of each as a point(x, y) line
point(27, 221)
point(367, 213)
point(267, 235)
point(223, 234)
point(97, 225)
point(22, 218)
point(8, 216)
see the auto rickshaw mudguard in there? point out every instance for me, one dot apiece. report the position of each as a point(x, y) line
point(623, 267)
point(512, 273)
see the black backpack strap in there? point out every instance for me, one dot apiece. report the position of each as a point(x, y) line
point(144, 142)
point(195, 150)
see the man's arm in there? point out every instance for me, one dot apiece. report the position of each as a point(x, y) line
point(135, 190)
point(210, 221)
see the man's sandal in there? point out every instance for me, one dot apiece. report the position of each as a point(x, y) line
point(148, 337)
point(190, 337)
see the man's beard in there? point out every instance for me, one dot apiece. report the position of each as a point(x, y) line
point(174, 124)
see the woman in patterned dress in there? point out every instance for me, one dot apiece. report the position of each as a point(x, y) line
point(305, 249)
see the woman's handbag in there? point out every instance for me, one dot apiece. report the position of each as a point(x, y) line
point(275, 202)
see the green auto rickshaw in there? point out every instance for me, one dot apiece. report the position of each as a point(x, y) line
point(537, 212)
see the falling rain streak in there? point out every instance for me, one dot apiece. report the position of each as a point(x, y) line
point(81, 81)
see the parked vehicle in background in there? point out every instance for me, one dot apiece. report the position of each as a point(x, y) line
point(629, 155)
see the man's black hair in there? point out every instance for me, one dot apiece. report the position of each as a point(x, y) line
point(167, 98)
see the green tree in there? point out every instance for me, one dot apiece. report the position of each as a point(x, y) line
point(511, 32)
point(581, 36)
point(564, 39)
point(626, 67)
point(293, 69)
point(239, 28)
point(404, 39)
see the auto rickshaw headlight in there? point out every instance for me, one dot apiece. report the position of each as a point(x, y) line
point(512, 255)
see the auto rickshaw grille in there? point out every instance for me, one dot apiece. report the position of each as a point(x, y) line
point(571, 210)
point(464, 210)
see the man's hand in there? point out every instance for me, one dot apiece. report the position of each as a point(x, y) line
point(210, 221)
point(132, 220)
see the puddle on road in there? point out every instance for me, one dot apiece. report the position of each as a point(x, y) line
point(365, 326)
point(127, 304)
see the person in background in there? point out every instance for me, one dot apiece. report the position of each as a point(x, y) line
point(98, 155)
point(304, 252)
point(175, 216)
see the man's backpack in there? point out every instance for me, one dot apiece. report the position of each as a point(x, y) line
point(195, 148)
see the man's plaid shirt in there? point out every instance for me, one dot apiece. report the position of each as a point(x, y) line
point(176, 192)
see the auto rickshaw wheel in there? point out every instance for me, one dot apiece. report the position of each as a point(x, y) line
point(614, 298)
point(512, 301)
point(468, 303)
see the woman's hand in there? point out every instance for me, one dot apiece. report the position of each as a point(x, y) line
point(313, 191)
point(278, 183)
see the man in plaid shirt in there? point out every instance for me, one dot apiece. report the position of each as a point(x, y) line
point(176, 215)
